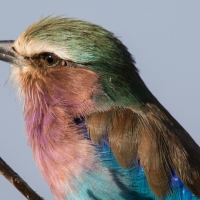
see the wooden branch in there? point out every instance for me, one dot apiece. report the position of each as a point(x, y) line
point(18, 182)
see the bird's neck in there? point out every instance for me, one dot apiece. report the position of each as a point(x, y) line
point(58, 147)
point(58, 143)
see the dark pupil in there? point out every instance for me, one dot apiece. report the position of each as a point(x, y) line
point(49, 59)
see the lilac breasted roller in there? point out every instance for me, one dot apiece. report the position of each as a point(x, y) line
point(95, 129)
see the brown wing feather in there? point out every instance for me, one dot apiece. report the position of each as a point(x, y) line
point(155, 138)
point(177, 148)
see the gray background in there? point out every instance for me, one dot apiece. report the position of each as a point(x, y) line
point(163, 36)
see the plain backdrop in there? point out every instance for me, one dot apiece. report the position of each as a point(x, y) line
point(164, 38)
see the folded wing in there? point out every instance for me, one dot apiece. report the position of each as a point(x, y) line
point(153, 137)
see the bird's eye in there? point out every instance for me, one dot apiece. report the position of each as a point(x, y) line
point(50, 60)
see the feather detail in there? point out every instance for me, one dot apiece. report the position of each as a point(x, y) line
point(154, 138)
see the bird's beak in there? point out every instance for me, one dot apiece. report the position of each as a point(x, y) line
point(7, 53)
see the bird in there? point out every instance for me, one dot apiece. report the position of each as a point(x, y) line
point(95, 129)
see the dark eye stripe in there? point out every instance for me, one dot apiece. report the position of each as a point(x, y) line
point(52, 60)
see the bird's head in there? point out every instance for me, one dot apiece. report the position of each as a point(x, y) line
point(67, 57)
